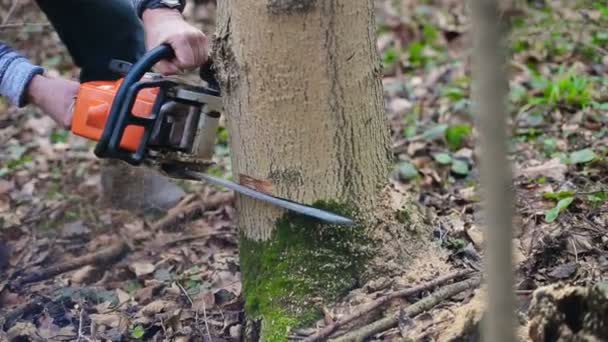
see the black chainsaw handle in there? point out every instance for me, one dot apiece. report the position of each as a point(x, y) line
point(136, 72)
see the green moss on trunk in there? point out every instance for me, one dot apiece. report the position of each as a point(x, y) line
point(304, 265)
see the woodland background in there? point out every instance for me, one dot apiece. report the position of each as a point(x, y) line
point(176, 275)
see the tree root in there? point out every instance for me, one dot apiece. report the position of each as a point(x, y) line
point(102, 257)
point(415, 309)
point(328, 330)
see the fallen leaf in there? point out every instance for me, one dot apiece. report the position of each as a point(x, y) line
point(158, 306)
point(468, 194)
point(86, 275)
point(553, 169)
point(465, 153)
point(476, 235)
point(563, 271)
point(144, 295)
point(414, 147)
point(204, 301)
point(578, 244)
point(74, 229)
point(123, 297)
point(6, 186)
point(113, 320)
point(142, 268)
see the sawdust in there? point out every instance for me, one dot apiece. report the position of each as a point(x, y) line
point(462, 323)
point(402, 234)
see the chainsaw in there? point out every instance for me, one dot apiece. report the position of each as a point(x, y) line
point(165, 123)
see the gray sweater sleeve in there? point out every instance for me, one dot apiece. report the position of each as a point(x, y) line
point(16, 71)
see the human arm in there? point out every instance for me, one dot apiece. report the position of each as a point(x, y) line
point(23, 83)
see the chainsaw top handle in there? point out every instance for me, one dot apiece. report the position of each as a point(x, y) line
point(120, 113)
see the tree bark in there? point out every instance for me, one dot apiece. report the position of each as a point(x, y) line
point(304, 106)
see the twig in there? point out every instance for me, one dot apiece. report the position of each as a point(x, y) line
point(102, 257)
point(196, 311)
point(192, 238)
point(328, 330)
point(413, 310)
point(179, 213)
point(21, 25)
point(206, 321)
point(10, 12)
point(80, 324)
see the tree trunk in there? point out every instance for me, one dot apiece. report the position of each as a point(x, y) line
point(304, 106)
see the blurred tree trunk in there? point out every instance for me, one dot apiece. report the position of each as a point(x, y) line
point(303, 97)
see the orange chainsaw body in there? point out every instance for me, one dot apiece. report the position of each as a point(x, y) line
point(92, 108)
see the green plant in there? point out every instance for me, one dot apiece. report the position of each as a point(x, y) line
point(566, 88)
point(390, 57)
point(582, 156)
point(455, 135)
point(138, 332)
point(563, 204)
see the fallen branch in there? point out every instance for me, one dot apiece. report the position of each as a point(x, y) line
point(191, 238)
point(413, 310)
point(190, 207)
point(328, 330)
point(102, 257)
point(177, 214)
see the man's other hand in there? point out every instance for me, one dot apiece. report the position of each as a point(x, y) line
point(54, 96)
point(168, 26)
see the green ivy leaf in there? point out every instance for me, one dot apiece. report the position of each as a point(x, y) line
point(554, 212)
point(456, 134)
point(460, 167)
point(407, 170)
point(582, 156)
point(435, 132)
point(442, 158)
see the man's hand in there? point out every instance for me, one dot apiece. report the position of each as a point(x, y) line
point(54, 96)
point(168, 26)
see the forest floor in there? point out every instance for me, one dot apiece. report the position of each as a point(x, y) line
point(72, 268)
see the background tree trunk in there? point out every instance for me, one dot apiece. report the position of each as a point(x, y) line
point(303, 97)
